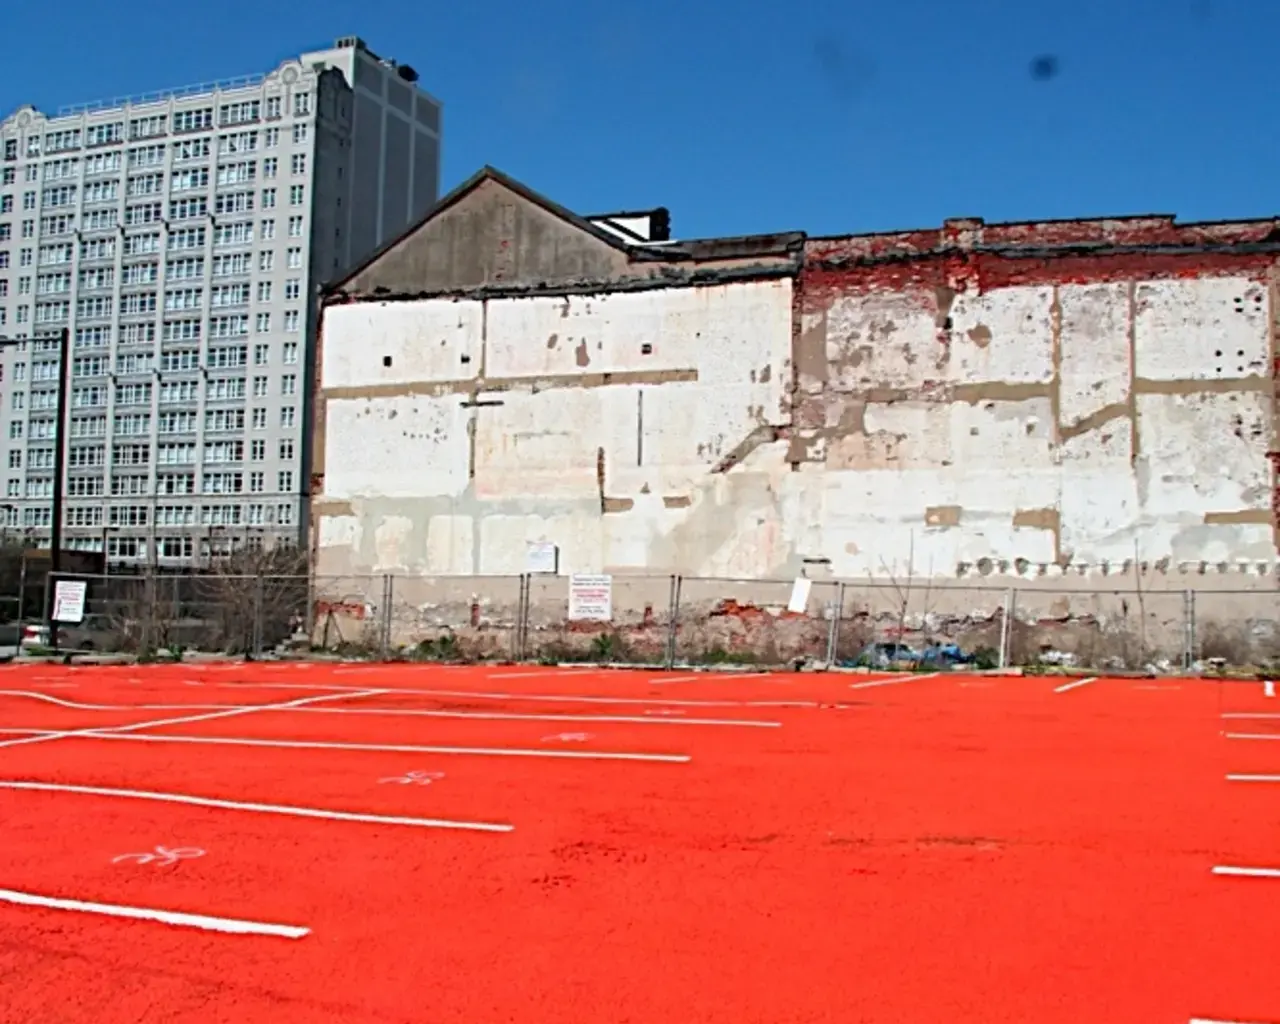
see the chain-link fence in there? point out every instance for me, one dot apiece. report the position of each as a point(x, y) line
point(449, 618)
point(638, 630)
point(674, 620)
point(144, 613)
point(1112, 630)
point(348, 615)
point(1233, 627)
point(749, 622)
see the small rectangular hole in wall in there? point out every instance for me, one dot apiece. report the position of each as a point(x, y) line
point(466, 359)
point(386, 360)
point(646, 349)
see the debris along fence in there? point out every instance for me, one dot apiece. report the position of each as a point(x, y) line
point(688, 621)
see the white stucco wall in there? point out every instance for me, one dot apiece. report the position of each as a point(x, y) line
point(1081, 422)
point(416, 479)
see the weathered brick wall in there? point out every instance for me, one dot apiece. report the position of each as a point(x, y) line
point(1006, 399)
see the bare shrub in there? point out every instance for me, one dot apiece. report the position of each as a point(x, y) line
point(1110, 645)
point(852, 637)
point(252, 600)
point(1223, 641)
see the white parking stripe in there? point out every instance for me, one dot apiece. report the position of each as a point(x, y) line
point(45, 736)
point(397, 748)
point(1215, 1020)
point(236, 805)
point(548, 698)
point(905, 678)
point(229, 925)
point(1248, 872)
point(1075, 684)
point(488, 716)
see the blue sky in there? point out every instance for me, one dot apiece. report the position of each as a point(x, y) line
point(747, 115)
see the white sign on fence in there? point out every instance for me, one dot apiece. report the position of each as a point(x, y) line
point(68, 601)
point(541, 557)
point(590, 598)
point(800, 590)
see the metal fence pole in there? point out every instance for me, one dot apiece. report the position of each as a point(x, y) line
point(176, 617)
point(522, 617)
point(309, 615)
point(673, 619)
point(149, 611)
point(1188, 628)
point(833, 632)
point(388, 595)
point(22, 590)
point(258, 605)
point(1006, 630)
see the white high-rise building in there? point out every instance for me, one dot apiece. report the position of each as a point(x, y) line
point(181, 237)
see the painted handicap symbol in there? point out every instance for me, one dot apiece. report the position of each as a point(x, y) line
point(414, 778)
point(161, 857)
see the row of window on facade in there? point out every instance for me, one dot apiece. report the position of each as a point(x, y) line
point(152, 157)
point(139, 214)
point(168, 483)
point(53, 314)
point(214, 452)
point(179, 239)
point(174, 300)
point(175, 547)
point(144, 271)
point(211, 483)
point(103, 279)
point(181, 546)
point(169, 361)
point(128, 363)
point(63, 225)
point(199, 119)
point(58, 312)
point(148, 516)
point(156, 156)
point(216, 421)
point(108, 190)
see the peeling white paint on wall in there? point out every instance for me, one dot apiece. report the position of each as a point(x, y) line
point(578, 388)
point(1013, 441)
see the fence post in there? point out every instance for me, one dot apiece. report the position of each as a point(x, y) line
point(176, 616)
point(833, 632)
point(309, 616)
point(1006, 628)
point(1188, 629)
point(258, 603)
point(149, 611)
point(388, 595)
point(516, 625)
point(673, 619)
point(522, 616)
point(22, 591)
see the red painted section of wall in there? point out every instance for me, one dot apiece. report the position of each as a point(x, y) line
point(927, 268)
point(951, 256)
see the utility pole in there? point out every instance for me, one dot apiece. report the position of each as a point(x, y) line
point(59, 472)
